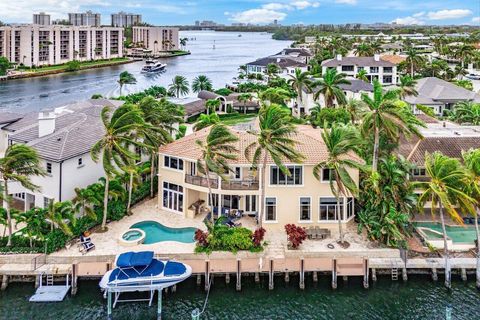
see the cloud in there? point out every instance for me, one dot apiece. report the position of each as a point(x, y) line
point(258, 16)
point(411, 20)
point(476, 20)
point(276, 6)
point(449, 14)
point(346, 1)
point(300, 5)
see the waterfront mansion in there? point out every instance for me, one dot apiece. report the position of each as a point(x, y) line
point(297, 198)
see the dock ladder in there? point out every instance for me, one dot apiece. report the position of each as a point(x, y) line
point(394, 274)
point(49, 278)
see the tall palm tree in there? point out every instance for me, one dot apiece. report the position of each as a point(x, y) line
point(212, 105)
point(340, 141)
point(355, 109)
point(445, 190)
point(126, 78)
point(471, 159)
point(407, 87)
point(179, 86)
point(467, 112)
point(272, 70)
point(201, 83)
point(329, 86)
point(217, 150)
point(19, 163)
point(245, 97)
point(84, 201)
point(276, 95)
point(112, 147)
point(161, 116)
point(34, 222)
point(464, 53)
point(382, 115)
point(413, 59)
point(273, 139)
point(299, 81)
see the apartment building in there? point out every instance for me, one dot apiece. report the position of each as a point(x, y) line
point(41, 18)
point(156, 39)
point(63, 138)
point(37, 45)
point(123, 19)
point(377, 68)
point(88, 18)
point(298, 198)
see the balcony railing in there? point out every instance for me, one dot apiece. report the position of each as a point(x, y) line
point(419, 178)
point(240, 185)
point(201, 181)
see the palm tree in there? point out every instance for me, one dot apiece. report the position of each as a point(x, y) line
point(179, 86)
point(329, 86)
point(382, 115)
point(3, 220)
point(467, 112)
point(362, 75)
point(201, 83)
point(217, 150)
point(464, 53)
point(273, 139)
point(183, 42)
point(340, 141)
point(245, 97)
point(355, 109)
point(445, 189)
point(459, 71)
point(19, 163)
point(212, 105)
point(413, 59)
point(276, 95)
point(112, 146)
point(272, 70)
point(34, 222)
point(314, 114)
point(300, 81)
point(161, 116)
point(126, 78)
point(61, 214)
point(363, 50)
point(471, 159)
point(407, 87)
point(206, 120)
point(84, 201)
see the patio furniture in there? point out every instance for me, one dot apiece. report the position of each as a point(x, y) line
point(86, 244)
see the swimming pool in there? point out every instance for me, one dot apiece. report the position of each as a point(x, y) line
point(432, 232)
point(156, 232)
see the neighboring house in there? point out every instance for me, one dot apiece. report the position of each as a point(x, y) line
point(377, 68)
point(442, 136)
point(354, 90)
point(63, 139)
point(440, 95)
point(286, 64)
point(299, 198)
point(300, 54)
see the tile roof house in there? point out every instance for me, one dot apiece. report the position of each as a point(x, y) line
point(63, 138)
point(299, 198)
point(286, 63)
point(439, 95)
point(382, 70)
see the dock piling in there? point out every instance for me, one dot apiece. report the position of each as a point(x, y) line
point(270, 276)
point(239, 276)
point(257, 277)
point(109, 305)
point(227, 278)
point(374, 275)
point(4, 282)
point(334, 274)
point(74, 280)
point(302, 275)
point(159, 306)
point(464, 274)
point(434, 274)
point(287, 277)
point(366, 274)
point(404, 274)
point(199, 279)
point(315, 276)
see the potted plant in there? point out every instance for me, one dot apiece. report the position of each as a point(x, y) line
point(295, 235)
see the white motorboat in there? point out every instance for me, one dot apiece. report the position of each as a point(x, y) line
point(153, 66)
point(473, 76)
point(140, 271)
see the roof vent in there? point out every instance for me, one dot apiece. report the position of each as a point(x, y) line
point(46, 123)
point(339, 57)
point(376, 57)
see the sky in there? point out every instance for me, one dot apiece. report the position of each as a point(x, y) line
point(180, 12)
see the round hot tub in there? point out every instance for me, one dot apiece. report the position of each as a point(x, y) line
point(132, 237)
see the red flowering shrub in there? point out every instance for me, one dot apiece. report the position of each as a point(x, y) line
point(295, 235)
point(201, 237)
point(258, 237)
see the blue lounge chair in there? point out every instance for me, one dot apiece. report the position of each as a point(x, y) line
point(86, 244)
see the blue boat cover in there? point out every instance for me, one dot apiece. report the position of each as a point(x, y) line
point(155, 268)
point(174, 268)
point(134, 259)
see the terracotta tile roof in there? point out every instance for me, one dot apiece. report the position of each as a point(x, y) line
point(310, 144)
point(395, 59)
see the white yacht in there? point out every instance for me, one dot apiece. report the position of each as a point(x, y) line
point(153, 66)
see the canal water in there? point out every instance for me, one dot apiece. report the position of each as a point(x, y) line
point(418, 298)
point(215, 54)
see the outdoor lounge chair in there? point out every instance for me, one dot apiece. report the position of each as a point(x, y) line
point(86, 244)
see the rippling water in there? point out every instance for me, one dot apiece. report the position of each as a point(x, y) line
point(418, 298)
point(219, 64)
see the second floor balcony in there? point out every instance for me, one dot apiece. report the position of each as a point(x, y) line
point(201, 181)
point(240, 185)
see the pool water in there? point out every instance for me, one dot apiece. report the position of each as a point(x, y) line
point(459, 234)
point(156, 232)
point(132, 235)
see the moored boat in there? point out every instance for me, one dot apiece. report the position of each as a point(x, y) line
point(472, 76)
point(153, 66)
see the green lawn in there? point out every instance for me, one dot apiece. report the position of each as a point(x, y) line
point(83, 65)
point(231, 119)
